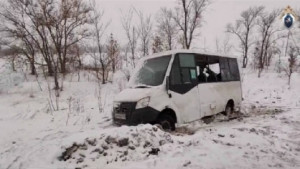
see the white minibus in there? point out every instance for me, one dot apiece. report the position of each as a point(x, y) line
point(179, 86)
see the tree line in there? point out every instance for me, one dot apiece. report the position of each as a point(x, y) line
point(56, 35)
point(259, 32)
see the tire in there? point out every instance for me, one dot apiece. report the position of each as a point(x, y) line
point(229, 110)
point(167, 122)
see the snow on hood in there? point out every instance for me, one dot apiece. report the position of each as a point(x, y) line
point(135, 94)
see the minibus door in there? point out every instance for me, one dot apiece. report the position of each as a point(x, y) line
point(183, 87)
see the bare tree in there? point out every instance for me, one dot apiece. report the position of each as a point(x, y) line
point(77, 51)
point(62, 25)
point(292, 63)
point(124, 58)
point(17, 34)
point(13, 56)
point(223, 47)
point(49, 27)
point(188, 17)
point(65, 25)
point(166, 28)
point(38, 33)
point(267, 32)
point(273, 49)
point(157, 45)
point(26, 48)
point(100, 57)
point(22, 23)
point(113, 51)
point(243, 27)
point(145, 32)
point(101, 63)
point(132, 34)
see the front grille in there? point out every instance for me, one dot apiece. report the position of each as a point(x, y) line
point(125, 108)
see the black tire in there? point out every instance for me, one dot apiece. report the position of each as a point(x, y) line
point(167, 122)
point(229, 110)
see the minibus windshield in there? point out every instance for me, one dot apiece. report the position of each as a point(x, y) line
point(150, 73)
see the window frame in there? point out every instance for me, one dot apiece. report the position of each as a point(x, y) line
point(182, 87)
point(236, 75)
point(207, 61)
point(230, 77)
point(233, 77)
point(177, 59)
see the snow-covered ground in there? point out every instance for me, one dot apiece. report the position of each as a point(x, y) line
point(79, 135)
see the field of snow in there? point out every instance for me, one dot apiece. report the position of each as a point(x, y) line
point(79, 135)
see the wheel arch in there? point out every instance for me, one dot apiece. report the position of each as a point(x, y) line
point(230, 103)
point(170, 112)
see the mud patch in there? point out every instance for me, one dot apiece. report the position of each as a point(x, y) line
point(122, 144)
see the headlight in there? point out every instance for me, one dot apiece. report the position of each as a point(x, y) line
point(142, 103)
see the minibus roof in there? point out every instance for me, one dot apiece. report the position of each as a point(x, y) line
point(170, 52)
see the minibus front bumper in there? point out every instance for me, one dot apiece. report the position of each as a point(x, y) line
point(126, 114)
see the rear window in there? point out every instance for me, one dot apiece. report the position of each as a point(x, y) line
point(229, 69)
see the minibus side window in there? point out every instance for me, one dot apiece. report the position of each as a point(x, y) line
point(187, 60)
point(183, 75)
point(234, 69)
point(229, 69)
point(225, 71)
point(187, 66)
point(213, 70)
point(208, 69)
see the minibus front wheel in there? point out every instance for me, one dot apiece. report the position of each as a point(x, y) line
point(167, 122)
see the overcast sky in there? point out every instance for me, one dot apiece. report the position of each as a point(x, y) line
point(219, 13)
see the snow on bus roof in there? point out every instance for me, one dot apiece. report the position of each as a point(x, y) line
point(170, 52)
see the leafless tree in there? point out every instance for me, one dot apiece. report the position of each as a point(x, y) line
point(26, 48)
point(15, 31)
point(77, 52)
point(13, 56)
point(113, 51)
point(157, 45)
point(65, 25)
point(62, 25)
point(267, 30)
point(223, 47)
point(292, 63)
point(21, 24)
point(272, 50)
point(100, 65)
point(166, 28)
point(145, 31)
point(243, 27)
point(47, 27)
point(124, 58)
point(124, 55)
point(132, 34)
point(38, 32)
point(188, 17)
point(100, 57)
